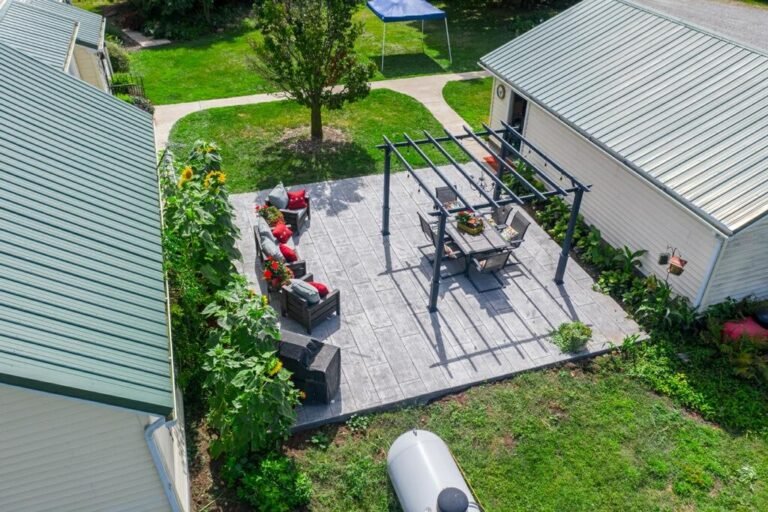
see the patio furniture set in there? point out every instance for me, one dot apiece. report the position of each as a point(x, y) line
point(302, 299)
point(484, 250)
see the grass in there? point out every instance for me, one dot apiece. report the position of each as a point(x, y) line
point(216, 66)
point(562, 439)
point(471, 99)
point(256, 157)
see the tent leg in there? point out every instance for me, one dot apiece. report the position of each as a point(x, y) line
point(448, 38)
point(383, 38)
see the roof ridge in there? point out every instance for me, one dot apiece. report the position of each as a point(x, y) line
point(692, 26)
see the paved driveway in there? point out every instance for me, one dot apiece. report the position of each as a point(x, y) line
point(736, 20)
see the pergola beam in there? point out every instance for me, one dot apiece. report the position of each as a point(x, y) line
point(509, 147)
point(496, 180)
point(459, 168)
point(554, 164)
point(431, 164)
point(504, 162)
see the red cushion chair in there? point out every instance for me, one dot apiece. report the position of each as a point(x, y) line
point(297, 200)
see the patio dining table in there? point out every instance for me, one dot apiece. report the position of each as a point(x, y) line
point(488, 240)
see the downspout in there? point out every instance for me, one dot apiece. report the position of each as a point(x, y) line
point(721, 245)
point(165, 480)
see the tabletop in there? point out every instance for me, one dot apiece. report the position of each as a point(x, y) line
point(486, 241)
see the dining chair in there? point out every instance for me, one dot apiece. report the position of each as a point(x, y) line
point(490, 264)
point(446, 195)
point(450, 249)
point(501, 215)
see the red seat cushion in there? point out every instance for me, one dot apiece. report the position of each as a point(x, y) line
point(297, 199)
point(321, 288)
point(288, 253)
point(282, 232)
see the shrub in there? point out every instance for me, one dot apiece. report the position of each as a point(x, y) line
point(122, 78)
point(571, 336)
point(118, 57)
point(272, 485)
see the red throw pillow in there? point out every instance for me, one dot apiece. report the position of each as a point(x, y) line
point(288, 253)
point(297, 200)
point(321, 288)
point(282, 232)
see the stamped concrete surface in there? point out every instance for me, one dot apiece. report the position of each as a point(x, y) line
point(393, 350)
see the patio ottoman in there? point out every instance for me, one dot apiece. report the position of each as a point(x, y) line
point(316, 366)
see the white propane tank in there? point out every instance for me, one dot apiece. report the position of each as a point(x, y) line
point(425, 476)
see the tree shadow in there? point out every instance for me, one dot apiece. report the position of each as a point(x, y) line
point(409, 64)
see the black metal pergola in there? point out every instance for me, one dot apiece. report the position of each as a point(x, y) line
point(502, 194)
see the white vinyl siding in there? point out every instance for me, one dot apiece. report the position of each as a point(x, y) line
point(743, 266)
point(500, 107)
point(70, 455)
point(627, 209)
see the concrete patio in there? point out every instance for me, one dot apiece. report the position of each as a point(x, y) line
point(393, 350)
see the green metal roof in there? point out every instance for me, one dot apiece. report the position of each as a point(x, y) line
point(47, 37)
point(91, 31)
point(82, 292)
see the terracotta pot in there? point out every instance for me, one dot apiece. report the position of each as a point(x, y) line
point(676, 265)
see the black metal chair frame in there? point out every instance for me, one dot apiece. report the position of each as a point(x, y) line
point(477, 261)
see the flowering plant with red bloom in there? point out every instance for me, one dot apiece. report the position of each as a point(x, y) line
point(272, 215)
point(468, 218)
point(277, 270)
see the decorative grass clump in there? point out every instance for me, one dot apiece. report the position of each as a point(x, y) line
point(571, 336)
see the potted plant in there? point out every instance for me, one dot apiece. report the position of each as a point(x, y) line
point(276, 274)
point(271, 214)
point(469, 222)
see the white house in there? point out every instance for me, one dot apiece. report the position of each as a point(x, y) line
point(669, 124)
point(90, 418)
point(60, 35)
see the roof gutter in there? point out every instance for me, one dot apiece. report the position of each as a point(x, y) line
point(165, 480)
point(715, 260)
point(721, 228)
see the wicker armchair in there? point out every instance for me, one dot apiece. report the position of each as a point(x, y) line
point(299, 268)
point(307, 315)
point(296, 218)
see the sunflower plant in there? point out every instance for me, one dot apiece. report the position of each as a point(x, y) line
point(251, 397)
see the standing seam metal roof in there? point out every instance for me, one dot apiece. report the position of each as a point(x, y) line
point(91, 31)
point(47, 37)
point(82, 292)
point(684, 107)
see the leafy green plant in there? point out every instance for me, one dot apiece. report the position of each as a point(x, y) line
point(359, 476)
point(358, 424)
point(118, 57)
point(595, 251)
point(321, 441)
point(273, 484)
point(661, 309)
point(571, 336)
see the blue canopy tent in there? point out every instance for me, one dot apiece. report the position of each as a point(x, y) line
point(407, 10)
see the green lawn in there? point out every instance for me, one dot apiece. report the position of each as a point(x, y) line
point(256, 158)
point(216, 66)
point(558, 440)
point(471, 99)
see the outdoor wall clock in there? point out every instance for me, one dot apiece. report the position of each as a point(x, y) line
point(501, 91)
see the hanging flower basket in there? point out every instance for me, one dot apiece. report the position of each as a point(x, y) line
point(676, 265)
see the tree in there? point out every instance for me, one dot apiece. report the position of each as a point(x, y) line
point(308, 51)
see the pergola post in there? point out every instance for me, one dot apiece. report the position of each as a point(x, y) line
point(437, 263)
point(569, 236)
point(385, 202)
point(500, 172)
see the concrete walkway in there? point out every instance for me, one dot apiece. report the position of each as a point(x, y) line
point(425, 89)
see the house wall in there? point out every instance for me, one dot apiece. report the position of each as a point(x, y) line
point(742, 269)
point(71, 455)
point(171, 442)
point(627, 209)
point(499, 107)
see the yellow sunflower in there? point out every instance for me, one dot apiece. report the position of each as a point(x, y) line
point(214, 176)
point(276, 368)
point(186, 175)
